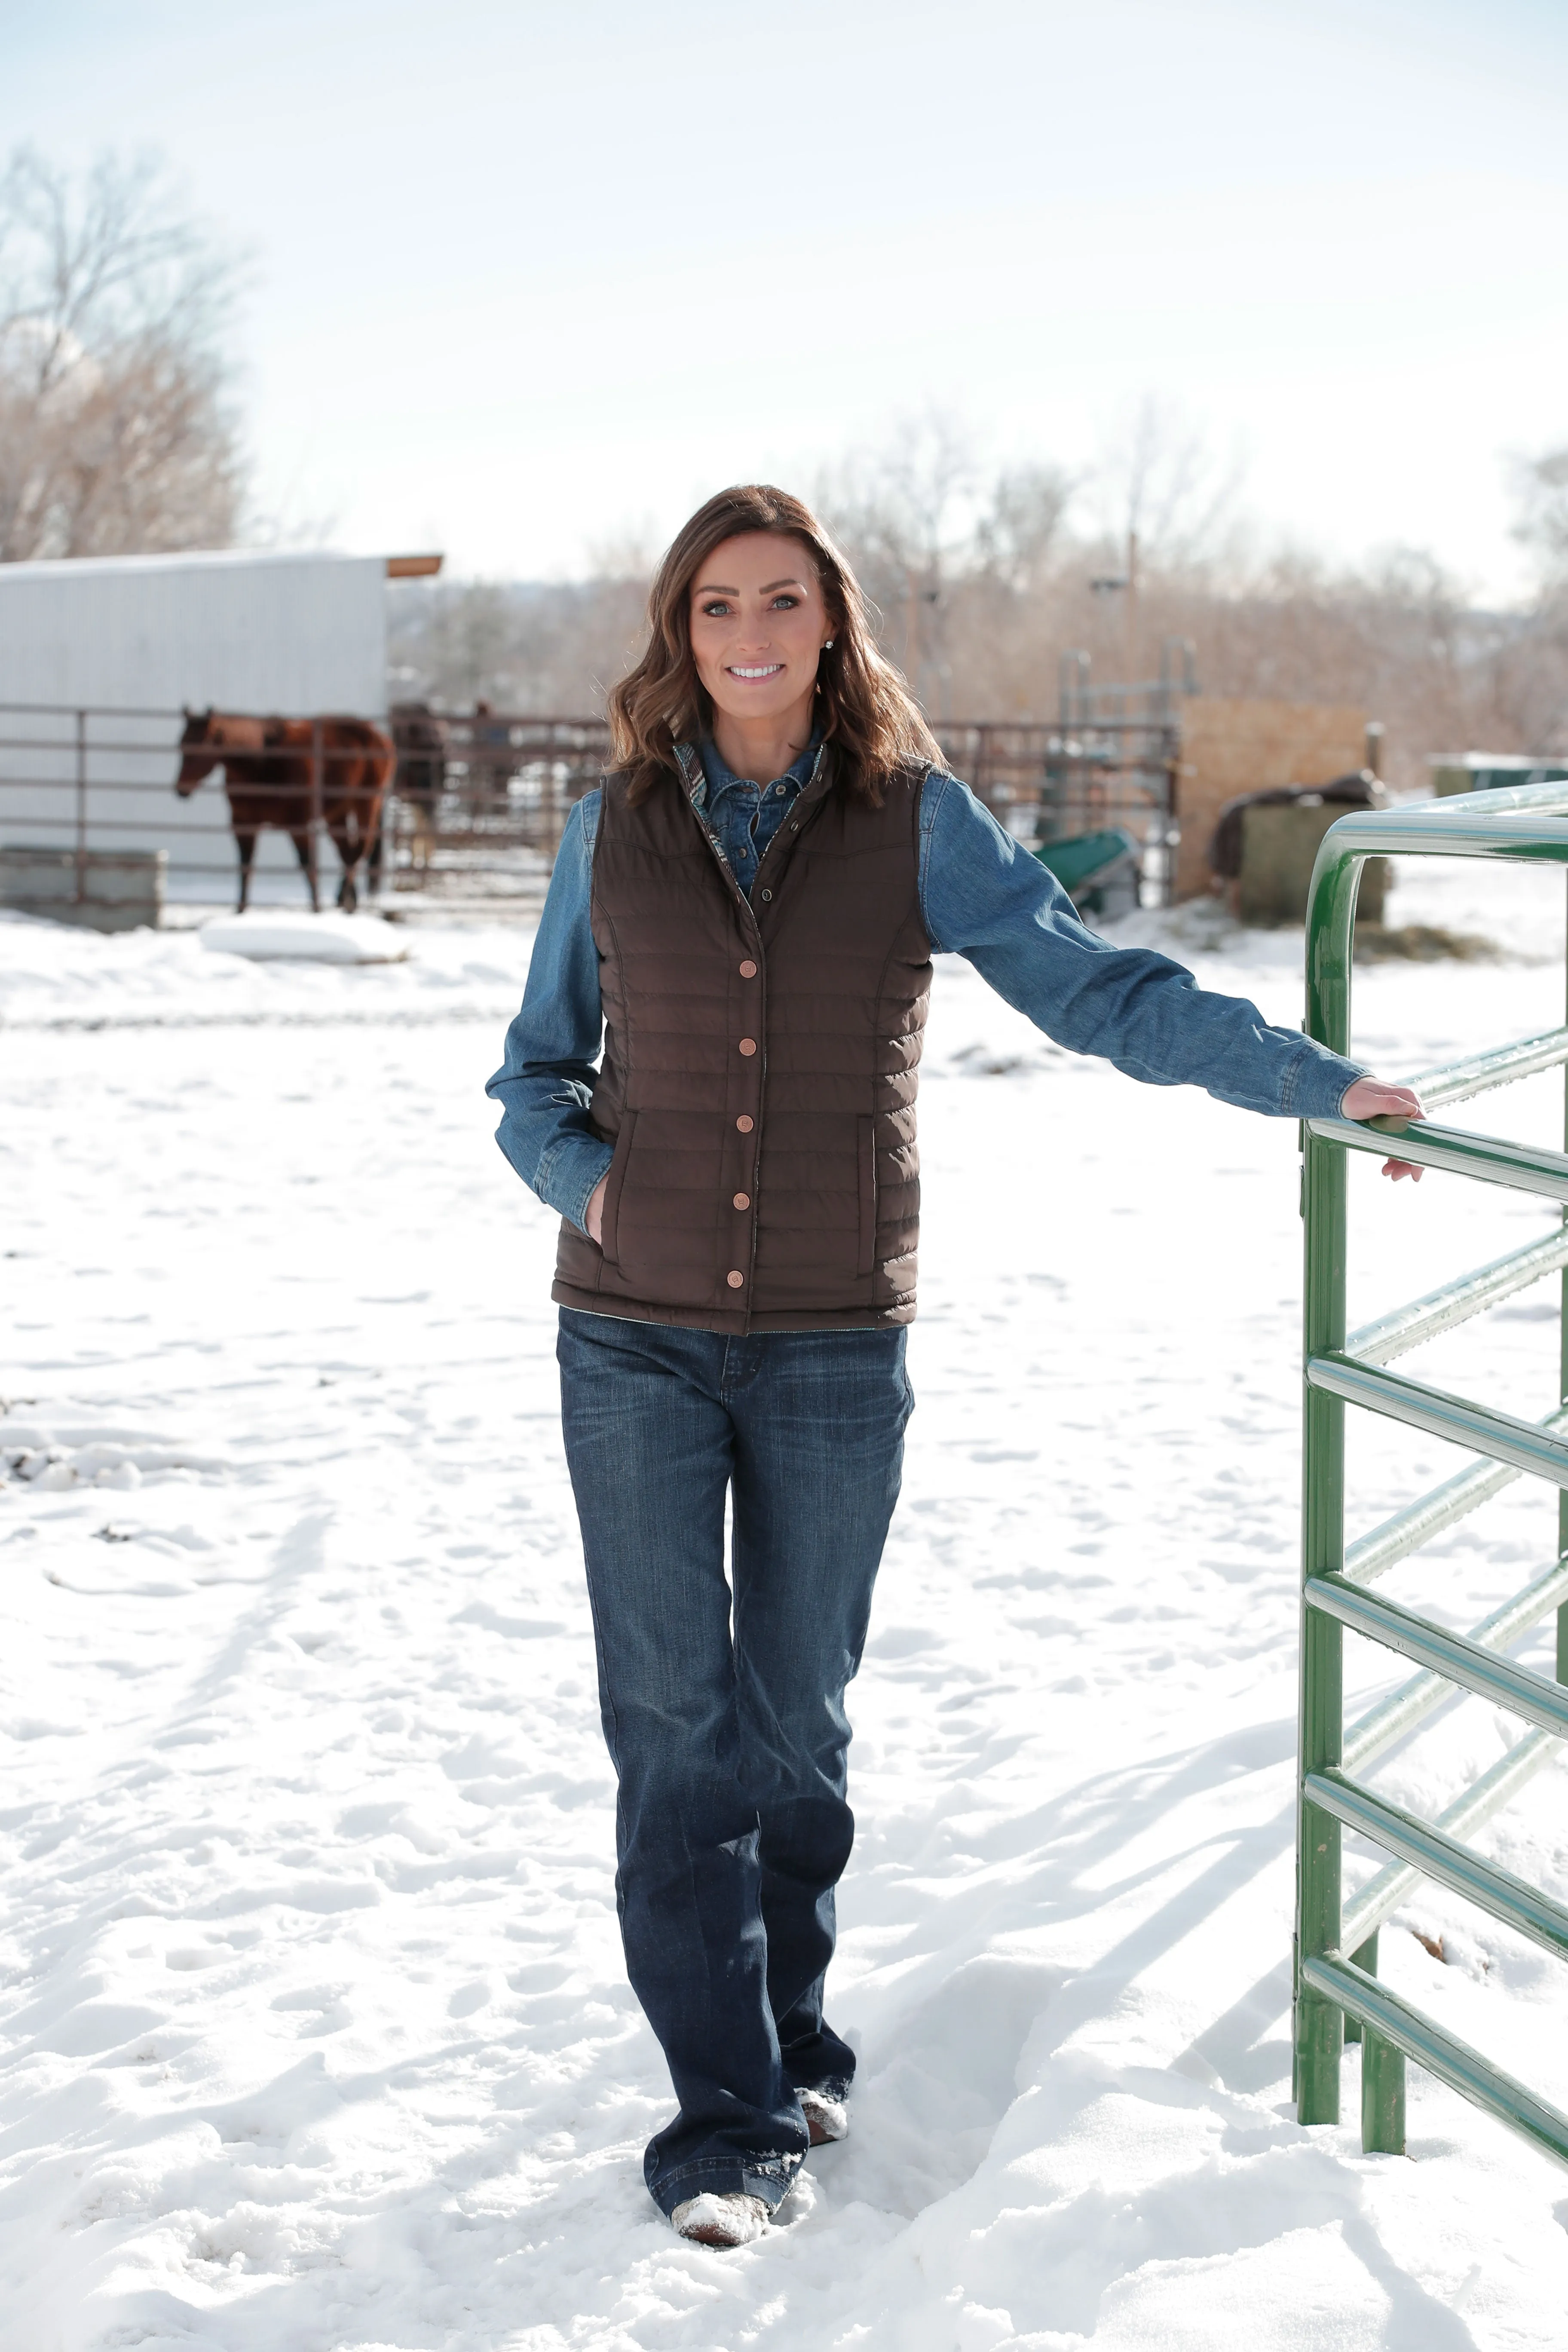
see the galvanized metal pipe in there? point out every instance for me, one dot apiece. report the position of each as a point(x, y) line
point(1528, 826)
point(1502, 1067)
point(1443, 2054)
point(1524, 1444)
point(1366, 1911)
point(1454, 1655)
point(1318, 2031)
point(1522, 1167)
point(1381, 2094)
point(1374, 1554)
point(1402, 1709)
point(1505, 800)
point(1442, 1858)
point(1522, 822)
point(1455, 1302)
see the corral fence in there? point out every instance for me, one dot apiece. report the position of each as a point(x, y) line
point(1339, 1994)
point(480, 799)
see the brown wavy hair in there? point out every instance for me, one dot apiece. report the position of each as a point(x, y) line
point(863, 706)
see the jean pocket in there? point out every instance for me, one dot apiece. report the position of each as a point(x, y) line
point(868, 1166)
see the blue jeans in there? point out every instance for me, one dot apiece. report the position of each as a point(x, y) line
point(723, 1703)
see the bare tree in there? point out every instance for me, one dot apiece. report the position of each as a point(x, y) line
point(906, 515)
point(553, 649)
point(949, 554)
point(1018, 534)
point(1540, 491)
point(115, 433)
point(1159, 489)
point(984, 577)
point(1533, 673)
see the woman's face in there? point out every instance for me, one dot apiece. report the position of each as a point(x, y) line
point(758, 624)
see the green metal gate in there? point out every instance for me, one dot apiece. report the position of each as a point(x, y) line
point(1338, 1996)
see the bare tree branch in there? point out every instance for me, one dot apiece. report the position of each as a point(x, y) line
point(115, 431)
point(1540, 490)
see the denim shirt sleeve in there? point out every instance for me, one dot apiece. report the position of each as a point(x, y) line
point(546, 1081)
point(985, 897)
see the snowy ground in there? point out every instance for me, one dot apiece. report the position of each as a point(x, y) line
point(315, 2035)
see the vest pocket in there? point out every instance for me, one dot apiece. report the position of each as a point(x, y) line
point(611, 1222)
point(867, 1159)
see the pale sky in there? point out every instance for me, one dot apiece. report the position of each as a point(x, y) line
point(528, 279)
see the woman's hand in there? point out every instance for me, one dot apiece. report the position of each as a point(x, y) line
point(1371, 1098)
point(594, 1214)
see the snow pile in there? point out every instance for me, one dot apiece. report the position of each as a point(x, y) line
point(271, 935)
point(313, 2031)
point(54, 977)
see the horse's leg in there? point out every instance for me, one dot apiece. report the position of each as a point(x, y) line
point(245, 844)
point(302, 852)
point(345, 827)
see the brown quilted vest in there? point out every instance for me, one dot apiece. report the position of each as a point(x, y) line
point(760, 1067)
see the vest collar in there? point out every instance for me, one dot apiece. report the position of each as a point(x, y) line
point(691, 775)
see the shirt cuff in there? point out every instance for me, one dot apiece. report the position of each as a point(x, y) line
point(1317, 1081)
point(569, 1177)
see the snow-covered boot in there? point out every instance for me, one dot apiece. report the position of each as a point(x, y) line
point(731, 2219)
point(825, 2118)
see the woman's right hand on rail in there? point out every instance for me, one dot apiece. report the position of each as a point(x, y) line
point(1374, 1098)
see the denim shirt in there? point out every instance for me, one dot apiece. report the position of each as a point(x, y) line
point(983, 895)
point(747, 815)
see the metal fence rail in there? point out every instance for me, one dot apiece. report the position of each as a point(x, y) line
point(1096, 768)
point(97, 783)
point(1337, 1995)
point(480, 798)
point(481, 815)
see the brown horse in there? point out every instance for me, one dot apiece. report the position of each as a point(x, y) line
point(268, 772)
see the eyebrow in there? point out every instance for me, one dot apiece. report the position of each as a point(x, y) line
point(714, 589)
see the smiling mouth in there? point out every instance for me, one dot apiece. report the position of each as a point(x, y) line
point(755, 669)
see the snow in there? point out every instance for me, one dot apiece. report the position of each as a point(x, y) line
point(315, 2032)
point(274, 937)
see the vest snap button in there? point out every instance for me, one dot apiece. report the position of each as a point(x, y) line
point(767, 894)
point(743, 1200)
point(744, 1124)
point(748, 1044)
point(736, 1280)
point(748, 970)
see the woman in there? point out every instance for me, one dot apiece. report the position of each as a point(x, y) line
point(746, 914)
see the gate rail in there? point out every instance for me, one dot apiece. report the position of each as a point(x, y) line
point(1337, 1997)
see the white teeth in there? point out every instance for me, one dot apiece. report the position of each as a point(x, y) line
point(768, 670)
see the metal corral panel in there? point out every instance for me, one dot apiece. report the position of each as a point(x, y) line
point(292, 634)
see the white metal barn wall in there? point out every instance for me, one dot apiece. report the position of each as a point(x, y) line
point(289, 633)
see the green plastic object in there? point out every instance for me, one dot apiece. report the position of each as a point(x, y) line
point(1334, 1991)
point(1099, 871)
